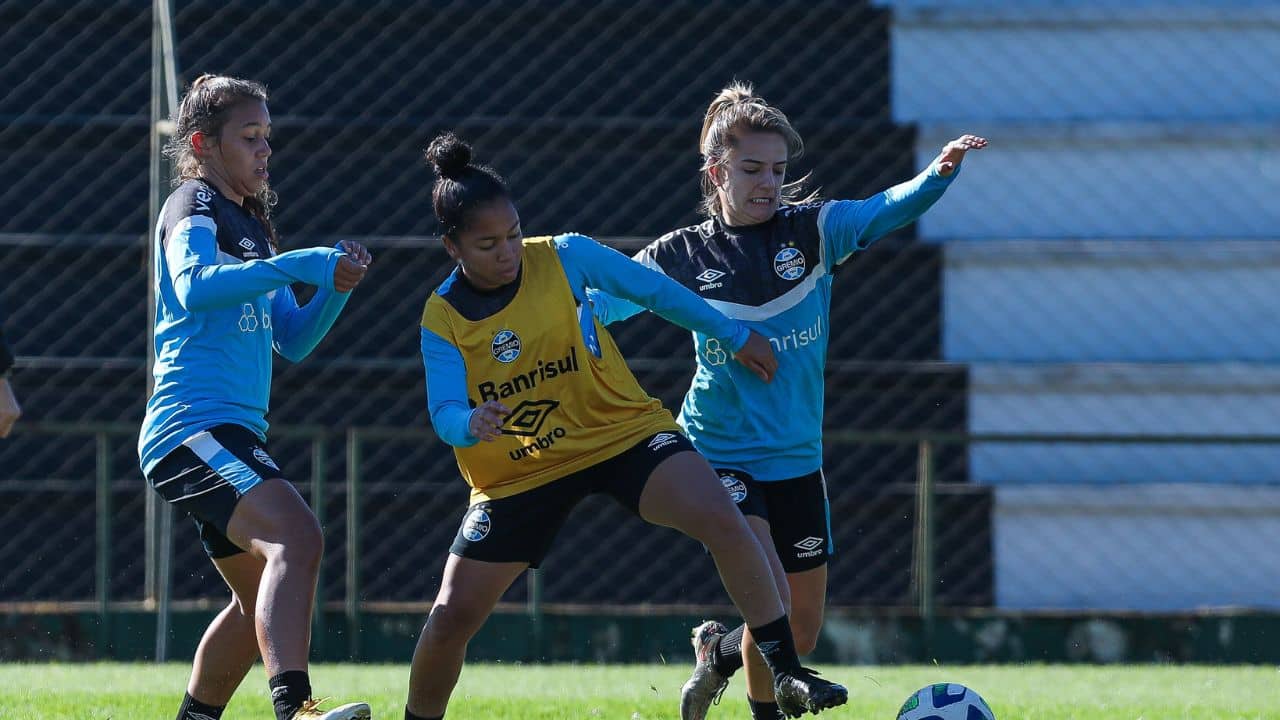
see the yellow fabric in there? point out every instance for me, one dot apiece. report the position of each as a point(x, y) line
point(570, 409)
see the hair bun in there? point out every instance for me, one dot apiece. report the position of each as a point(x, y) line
point(449, 155)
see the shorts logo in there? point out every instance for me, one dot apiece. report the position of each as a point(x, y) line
point(477, 525)
point(662, 440)
point(505, 346)
point(261, 456)
point(735, 487)
point(810, 547)
point(526, 419)
point(789, 263)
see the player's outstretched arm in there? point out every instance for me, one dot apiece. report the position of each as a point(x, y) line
point(851, 225)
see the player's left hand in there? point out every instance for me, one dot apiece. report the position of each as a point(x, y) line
point(357, 252)
point(757, 355)
point(953, 152)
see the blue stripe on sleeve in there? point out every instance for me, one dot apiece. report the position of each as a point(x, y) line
point(587, 263)
point(446, 390)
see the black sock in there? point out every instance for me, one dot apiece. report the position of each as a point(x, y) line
point(193, 709)
point(777, 646)
point(764, 709)
point(410, 716)
point(289, 690)
point(726, 653)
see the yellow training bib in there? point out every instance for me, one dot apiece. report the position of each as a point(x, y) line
point(569, 408)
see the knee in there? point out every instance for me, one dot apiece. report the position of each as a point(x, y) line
point(451, 624)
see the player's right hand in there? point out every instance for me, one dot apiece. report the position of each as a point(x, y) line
point(486, 420)
point(757, 355)
point(10, 411)
point(348, 274)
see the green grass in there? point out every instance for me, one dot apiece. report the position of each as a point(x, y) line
point(650, 692)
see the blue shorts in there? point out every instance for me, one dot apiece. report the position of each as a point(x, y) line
point(206, 476)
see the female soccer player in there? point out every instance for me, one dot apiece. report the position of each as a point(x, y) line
point(542, 410)
point(765, 258)
point(223, 302)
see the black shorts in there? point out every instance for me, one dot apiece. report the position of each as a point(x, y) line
point(797, 511)
point(206, 476)
point(521, 528)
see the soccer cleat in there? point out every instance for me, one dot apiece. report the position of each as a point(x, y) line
point(803, 691)
point(310, 710)
point(706, 685)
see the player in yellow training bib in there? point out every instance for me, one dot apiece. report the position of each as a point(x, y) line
point(540, 407)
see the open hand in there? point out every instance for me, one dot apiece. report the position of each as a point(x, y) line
point(953, 152)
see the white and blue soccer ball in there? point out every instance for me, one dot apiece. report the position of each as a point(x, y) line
point(945, 701)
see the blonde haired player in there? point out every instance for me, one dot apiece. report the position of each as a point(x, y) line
point(765, 256)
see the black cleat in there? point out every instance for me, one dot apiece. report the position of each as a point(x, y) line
point(803, 691)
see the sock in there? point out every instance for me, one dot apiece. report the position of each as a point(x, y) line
point(764, 710)
point(193, 709)
point(726, 653)
point(410, 716)
point(777, 646)
point(289, 690)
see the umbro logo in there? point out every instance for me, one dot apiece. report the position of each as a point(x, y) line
point(709, 277)
point(526, 419)
point(193, 715)
point(809, 547)
point(768, 646)
point(809, 543)
point(250, 248)
point(661, 440)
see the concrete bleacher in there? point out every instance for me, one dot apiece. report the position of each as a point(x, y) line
point(1110, 267)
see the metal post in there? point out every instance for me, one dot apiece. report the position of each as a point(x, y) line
point(537, 626)
point(164, 99)
point(353, 543)
point(102, 566)
point(318, 451)
point(922, 580)
point(164, 576)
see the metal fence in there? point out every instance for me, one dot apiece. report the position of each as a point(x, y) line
point(1099, 281)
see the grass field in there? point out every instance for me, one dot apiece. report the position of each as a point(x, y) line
point(650, 692)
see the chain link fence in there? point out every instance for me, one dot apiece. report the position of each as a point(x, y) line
point(1103, 272)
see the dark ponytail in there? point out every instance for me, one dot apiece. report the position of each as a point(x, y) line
point(460, 185)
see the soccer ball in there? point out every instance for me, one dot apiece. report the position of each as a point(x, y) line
point(945, 701)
